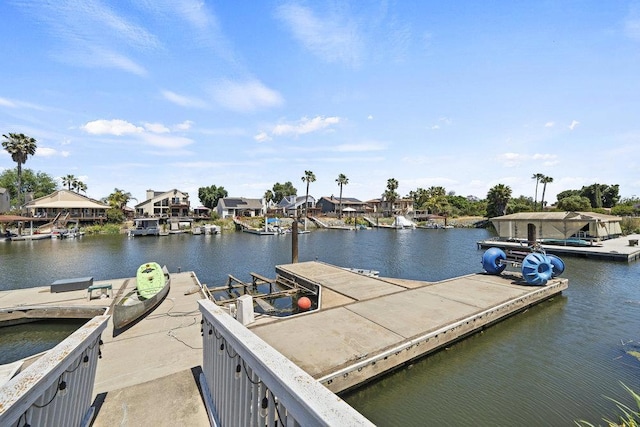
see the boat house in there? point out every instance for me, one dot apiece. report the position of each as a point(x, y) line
point(589, 226)
point(172, 203)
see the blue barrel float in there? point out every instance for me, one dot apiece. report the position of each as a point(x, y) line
point(537, 268)
point(491, 261)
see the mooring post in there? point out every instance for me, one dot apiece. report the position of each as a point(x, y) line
point(294, 242)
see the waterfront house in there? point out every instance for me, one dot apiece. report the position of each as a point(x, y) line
point(67, 205)
point(172, 203)
point(202, 212)
point(240, 206)
point(294, 205)
point(589, 226)
point(349, 204)
point(5, 200)
point(385, 207)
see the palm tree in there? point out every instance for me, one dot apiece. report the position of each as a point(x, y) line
point(390, 194)
point(69, 181)
point(537, 177)
point(342, 180)
point(119, 198)
point(308, 177)
point(81, 186)
point(544, 180)
point(497, 199)
point(20, 147)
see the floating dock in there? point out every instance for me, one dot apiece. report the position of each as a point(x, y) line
point(624, 249)
point(366, 326)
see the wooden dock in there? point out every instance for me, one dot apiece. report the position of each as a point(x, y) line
point(625, 249)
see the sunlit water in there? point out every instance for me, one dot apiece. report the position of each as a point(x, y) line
point(556, 363)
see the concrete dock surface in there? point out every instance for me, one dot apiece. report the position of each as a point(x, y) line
point(366, 326)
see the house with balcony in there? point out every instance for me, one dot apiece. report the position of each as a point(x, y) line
point(172, 203)
point(384, 207)
point(240, 206)
point(294, 206)
point(67, 205)
point(329, 205)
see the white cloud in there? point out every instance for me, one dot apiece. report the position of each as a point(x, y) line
point(516, 159)
point(304, 126)
point(111, 127)
point(186, 125)
point(262, 137)
point(245, 96)
point(4, 102)
point(167, 141)
point(357, 148)
point(46, 151)
point(156, 127)
point(369, 117)
point(183, 101)
point(333, 38)
point(549, 124)
point(574, 124)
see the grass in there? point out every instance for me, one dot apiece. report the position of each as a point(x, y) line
point(630, 417)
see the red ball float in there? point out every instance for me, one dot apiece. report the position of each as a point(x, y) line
point(304, 303)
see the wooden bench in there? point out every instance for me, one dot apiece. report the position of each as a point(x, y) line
point(105, 289)
point(66, 285)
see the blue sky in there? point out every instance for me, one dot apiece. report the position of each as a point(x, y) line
point(163, 94)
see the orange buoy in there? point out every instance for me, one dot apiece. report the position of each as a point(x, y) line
point(304, 303)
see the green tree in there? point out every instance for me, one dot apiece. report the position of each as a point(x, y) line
point(537, 177)
point(390, 194)
point(520, 204)
point(497, 199)
point(568, 193)
point(40, 184)
point(119, 199)
point(210, 195)
point(268, 196)
point(544, 180)
point(574, 204)
point(308, 177)
point(280, 191)
point(20, 147)
point(342, 180)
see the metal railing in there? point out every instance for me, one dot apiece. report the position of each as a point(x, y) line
point(57, 389)
point(247, 382)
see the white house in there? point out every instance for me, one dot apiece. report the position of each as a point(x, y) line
point(172, 203)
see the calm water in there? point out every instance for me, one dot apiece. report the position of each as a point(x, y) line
point(551, 365)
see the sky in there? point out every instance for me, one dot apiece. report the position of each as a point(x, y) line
point(165, 94)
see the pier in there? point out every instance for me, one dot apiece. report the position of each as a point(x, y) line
point(152, 372)
point(623, 249)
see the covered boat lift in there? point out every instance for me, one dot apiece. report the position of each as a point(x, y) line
point(589, 226)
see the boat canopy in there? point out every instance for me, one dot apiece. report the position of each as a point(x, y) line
point(558, 225)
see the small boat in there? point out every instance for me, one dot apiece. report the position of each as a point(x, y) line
point(152, 285)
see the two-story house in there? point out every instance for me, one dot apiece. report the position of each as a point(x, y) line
point(172, 203)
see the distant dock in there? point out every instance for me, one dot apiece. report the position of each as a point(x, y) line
point(625, 249)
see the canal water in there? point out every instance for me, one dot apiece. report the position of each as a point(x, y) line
point(555, 363)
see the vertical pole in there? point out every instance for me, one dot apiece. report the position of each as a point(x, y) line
point(294, 242)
